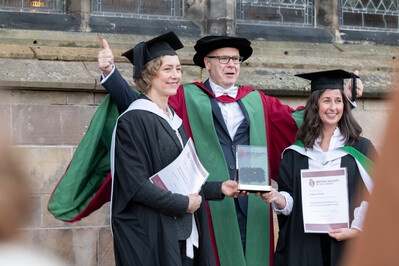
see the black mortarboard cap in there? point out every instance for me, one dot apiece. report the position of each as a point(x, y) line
point(144, 52)
point(330, 79)
point(207, 44)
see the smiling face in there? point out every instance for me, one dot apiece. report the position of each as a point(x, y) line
point(224, 75)
point(331, 106)
point(168, 77)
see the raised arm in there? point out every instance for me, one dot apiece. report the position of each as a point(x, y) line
point(359, 88)
point(121, 92)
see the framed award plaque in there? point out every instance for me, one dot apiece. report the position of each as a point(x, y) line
point(252, 168)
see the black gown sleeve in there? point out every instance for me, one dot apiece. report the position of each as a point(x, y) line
point(121, 92)
point(171, 204)
point(285, 180)
point(285, 173)
point(213, 191)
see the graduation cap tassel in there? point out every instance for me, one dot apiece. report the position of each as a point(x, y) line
point(354, 87)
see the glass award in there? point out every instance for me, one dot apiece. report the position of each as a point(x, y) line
point(252, 168)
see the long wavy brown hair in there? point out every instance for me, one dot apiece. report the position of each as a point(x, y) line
point(311, 128)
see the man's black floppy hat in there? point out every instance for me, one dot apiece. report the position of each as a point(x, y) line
point(207, 44)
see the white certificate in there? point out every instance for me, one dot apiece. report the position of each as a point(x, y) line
point(325, 203)
point(185, 175)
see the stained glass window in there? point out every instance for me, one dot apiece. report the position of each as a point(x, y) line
point(39, 6)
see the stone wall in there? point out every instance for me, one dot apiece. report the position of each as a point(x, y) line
point(49, 92)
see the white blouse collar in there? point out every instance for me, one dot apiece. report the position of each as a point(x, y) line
point(337, 140)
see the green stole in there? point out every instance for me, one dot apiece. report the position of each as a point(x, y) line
point(365, 165)
point(224, 218)
point(364, 161)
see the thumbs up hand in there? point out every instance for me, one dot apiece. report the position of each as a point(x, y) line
point(105, 58)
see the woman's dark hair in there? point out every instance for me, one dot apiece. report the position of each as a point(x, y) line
point(310, 130)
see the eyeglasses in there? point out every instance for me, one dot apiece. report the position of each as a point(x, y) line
point(226, 59)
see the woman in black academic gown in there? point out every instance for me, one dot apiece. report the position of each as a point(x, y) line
point(152, 226)
point(325, 142)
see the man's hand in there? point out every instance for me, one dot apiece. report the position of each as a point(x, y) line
point(359, 87)
point(105, 58)
point(230, 189)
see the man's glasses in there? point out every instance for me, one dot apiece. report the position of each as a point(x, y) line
point(226, 59)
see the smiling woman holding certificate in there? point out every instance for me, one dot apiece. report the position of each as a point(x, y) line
point(151, 225)
point(323, 178)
